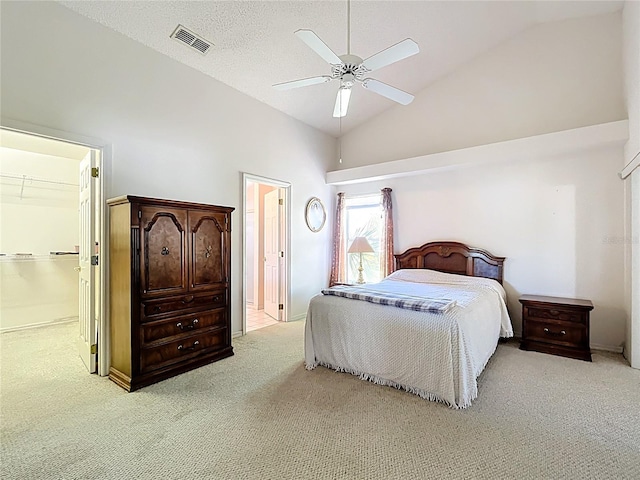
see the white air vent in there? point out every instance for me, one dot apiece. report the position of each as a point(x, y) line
point(184, 35)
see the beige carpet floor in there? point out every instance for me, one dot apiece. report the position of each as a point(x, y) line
point(261, 415)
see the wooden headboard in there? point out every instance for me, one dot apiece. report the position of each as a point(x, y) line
point(452, 257)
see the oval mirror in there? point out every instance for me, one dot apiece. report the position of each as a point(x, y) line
point(315, 214)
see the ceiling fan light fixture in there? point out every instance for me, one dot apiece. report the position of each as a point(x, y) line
point(348, 80)
point(342, 102)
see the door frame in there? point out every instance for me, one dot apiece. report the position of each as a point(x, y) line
point(104, 150)
point(286, 242)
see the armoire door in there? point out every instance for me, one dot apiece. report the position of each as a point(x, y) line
point(208, 249)
point(163, 254)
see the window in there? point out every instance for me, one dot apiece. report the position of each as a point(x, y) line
point(363, 218)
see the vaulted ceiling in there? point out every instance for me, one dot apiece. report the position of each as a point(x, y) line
point(255, 47)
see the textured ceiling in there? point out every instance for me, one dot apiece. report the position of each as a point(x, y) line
point(254, 44)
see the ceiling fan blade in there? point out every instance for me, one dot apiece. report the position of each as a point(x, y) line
point(393, 54)
point(302, 82)
point(318, 46)
point(392, 93)
point(342, 102)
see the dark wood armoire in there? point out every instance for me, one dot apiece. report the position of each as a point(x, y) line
point(169, 288)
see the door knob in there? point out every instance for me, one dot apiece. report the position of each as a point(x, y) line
point(77, 269)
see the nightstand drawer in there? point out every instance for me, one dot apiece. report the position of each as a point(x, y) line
point(560, 334)
point(556, 313)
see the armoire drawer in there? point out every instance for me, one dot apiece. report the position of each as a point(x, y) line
point(153, 309)
point(184, 325)
point(182, 349)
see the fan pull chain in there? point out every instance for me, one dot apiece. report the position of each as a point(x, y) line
point(348, 53)
point(348, 27)
point(340, 138)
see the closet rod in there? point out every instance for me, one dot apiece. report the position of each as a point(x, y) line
point(33, 179)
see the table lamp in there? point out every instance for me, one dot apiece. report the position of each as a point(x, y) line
point(360, 245)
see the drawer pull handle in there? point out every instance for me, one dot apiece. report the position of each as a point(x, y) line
point(182, 348)
point(555, 313)
point(187, 327)
point(216, 298)
point(157, 308)
point(188, 299)
point(164, 251)
point(549, 332)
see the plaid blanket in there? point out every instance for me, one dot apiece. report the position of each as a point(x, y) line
point(419, 304)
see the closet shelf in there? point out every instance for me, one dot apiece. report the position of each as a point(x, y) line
point(28, 178)
point(21, 180)
point(22, 257)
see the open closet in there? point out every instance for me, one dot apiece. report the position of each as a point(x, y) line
point(44, 241)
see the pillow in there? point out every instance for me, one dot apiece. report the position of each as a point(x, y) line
point(423, 275)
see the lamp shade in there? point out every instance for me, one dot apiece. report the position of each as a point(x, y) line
point(360, 245)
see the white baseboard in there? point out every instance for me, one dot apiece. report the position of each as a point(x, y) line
point(236, 334)
point(606, 348)
point(58, 321)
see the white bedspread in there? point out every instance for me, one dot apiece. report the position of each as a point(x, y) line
point(436, 356)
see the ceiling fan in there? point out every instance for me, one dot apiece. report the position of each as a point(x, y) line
point(351, 69)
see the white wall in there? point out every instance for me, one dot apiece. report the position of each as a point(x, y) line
point(558, 221)
point(552, 77)
point(40, 218)
point(631, 55)
point(631, 49)
point(175, 133)
point(632, 350)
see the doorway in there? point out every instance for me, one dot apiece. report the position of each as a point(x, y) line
point(265, 252)
point(51, 200)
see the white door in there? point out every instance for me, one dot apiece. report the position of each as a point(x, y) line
point(87, 339)
point(272, 254)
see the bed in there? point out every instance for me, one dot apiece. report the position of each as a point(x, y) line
point(437, 346)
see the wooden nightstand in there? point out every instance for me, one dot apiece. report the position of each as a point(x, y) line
point(559, 326)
